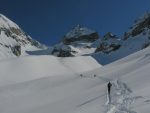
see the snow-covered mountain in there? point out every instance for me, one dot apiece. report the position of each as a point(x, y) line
point(43, 83)
point(14, 41)
point(81, 41)
point(76, 42)
point(80, 33)
point(112, 48)
point(48, 84)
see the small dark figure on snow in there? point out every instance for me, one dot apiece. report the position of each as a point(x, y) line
point(109, 87)
point(94, 75)
point(81, 75)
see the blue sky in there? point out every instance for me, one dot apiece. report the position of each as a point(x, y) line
point(48, 20)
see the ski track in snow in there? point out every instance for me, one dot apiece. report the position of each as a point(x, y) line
point(122, 100)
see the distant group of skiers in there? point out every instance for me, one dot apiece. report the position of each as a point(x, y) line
point(81, 75)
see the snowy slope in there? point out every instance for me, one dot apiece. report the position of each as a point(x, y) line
point(133, 44)
point(112, 48)
point(33, 67)
point(6, 23)
point(41, 83)
point(14, 41)
point(71, 93)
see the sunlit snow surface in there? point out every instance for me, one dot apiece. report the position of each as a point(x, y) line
point(45, 84)
point(37, 82)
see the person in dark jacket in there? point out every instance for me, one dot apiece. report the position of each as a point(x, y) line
point(109, 89)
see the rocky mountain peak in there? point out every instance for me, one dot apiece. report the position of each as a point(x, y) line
point(109, 35)
point(80, 33)
point(141, 25)
point(13, 40)
point(78, 39)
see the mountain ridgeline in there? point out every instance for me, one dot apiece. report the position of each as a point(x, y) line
point(84, 41)
point(79, 41)
point(72, 76)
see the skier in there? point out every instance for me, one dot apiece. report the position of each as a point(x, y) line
point(81, 75)
point(109, 89)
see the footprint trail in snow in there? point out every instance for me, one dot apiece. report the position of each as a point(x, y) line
point(122, 99)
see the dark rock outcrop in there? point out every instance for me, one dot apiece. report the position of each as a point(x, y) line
point(141, 26)
point(16, 50)
point(61, 52)
point(75, 38)
point(88, 38)
point(109, 43)
point(107, 49)
point(109, 35)
point(64, 53)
